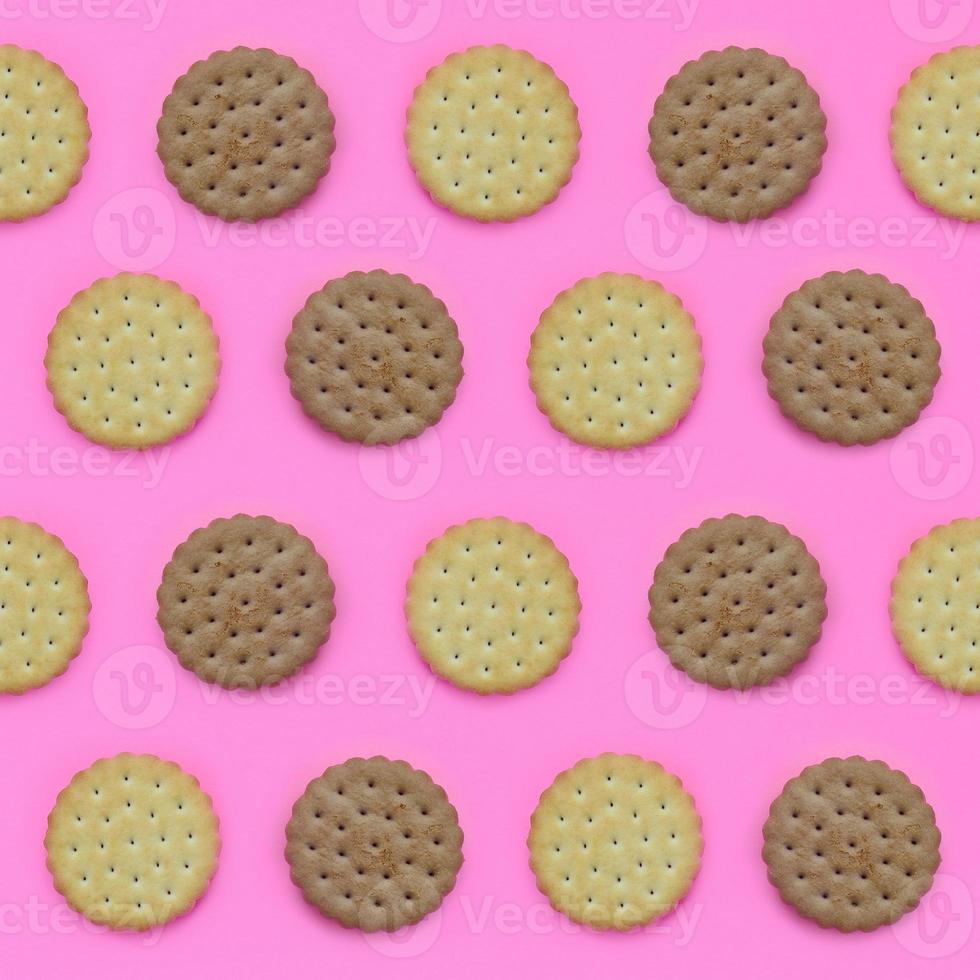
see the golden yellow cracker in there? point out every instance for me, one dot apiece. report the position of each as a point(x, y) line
point(493, 606)
point(132, 361)
point(132, 842)
point(935, 605)
point(615, 842)
point(493, 133)
point(615, 361)
point(44, 606)
point(44, 134)
point(934, 133)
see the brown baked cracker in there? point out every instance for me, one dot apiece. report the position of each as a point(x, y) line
point(851, 357)
point(737, 602)
point(374, 844)
point(737, 134)
point(44, 134)
point(851, 844)
point(374, 357)
point(245, 134)
point(245, 602)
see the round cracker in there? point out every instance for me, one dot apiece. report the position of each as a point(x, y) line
point(374, 357)
point(934, 128)
point(374, 844)
point(615, 842)
point(737, 602)
point(934, 604)
point(492, 606)
point(132, 842)
point(737, 134)
point(245, 134)
point(44, 606)
point(44, 134)
point(245, 602)
point(851, 357)
point(492, 133)
point(132, 361)
point(615, 361)
point(851, 844)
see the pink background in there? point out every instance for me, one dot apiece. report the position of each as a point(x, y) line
point(254, 451)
